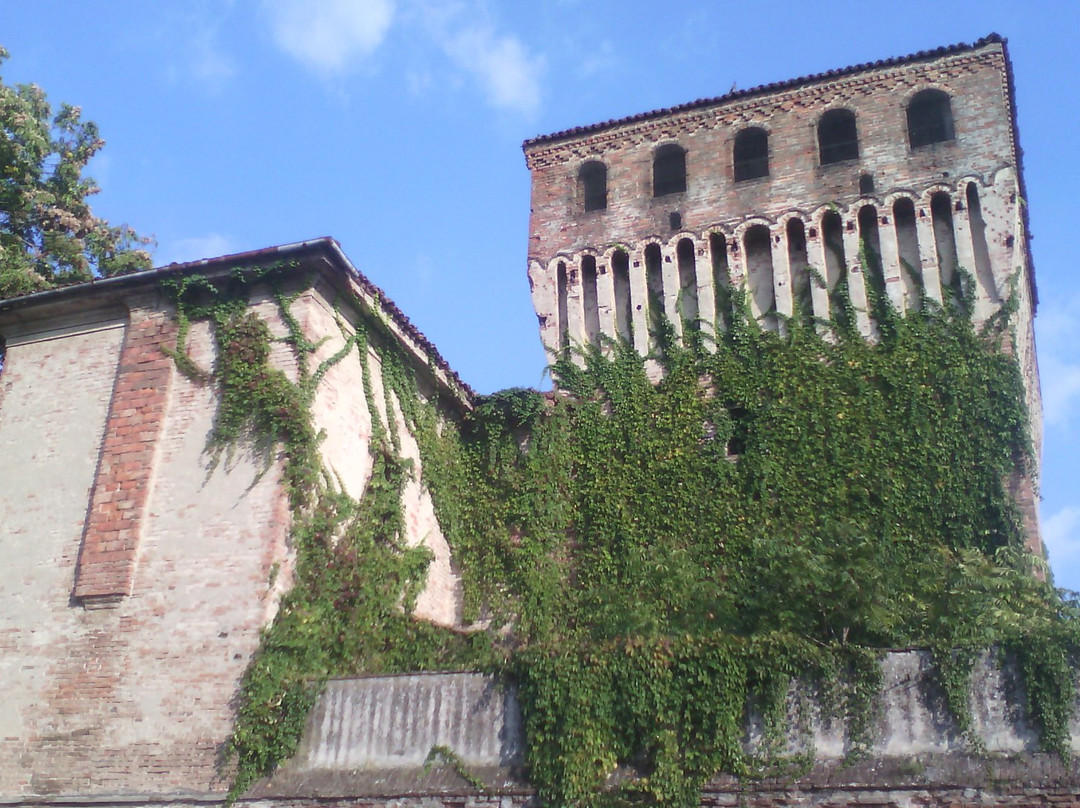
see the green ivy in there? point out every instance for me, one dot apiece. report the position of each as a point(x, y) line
point(651, 560)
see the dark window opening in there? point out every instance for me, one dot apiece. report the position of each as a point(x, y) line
point(759, 273)
point(669, 170)
point(675, 220)
point(654, 284)
point(832, 230)
point(866, 184)
point(3, 354)
point(751, 154)
point(799, 265)
point(589, 299)
point(620, 270)
point(837, 137)
point(721, 280)
point(870, 244)
point(564, 308)
point(688, 298)
point(929, 118)
point(592, 178)
point(907, 244)
point(945, 241)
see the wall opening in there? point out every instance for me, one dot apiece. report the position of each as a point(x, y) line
point(759, 273)
point(929, 118)
point(751, 154)
point(620, 272)
point(870, 245)
point(983, 271)
point(3, 353)
point(945, 242)
point(564, 324)
point(592, 185)
point(832, 234)
point(866, 184)
point(589, 299)
point(799, 265)
point(654, 281)
point(907, 247)
point(838, 139)
point(721, 277)
point(688, 300)
point(669, 170)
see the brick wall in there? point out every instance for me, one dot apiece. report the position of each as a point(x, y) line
point(138, 568)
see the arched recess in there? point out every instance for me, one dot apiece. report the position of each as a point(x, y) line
point(654, 283)
point(870, 246)
point(669, 169)
point(750, 155)
point(590, 299)
point(929, 118)
point(562, 282)
point(757, 241)
point(838, 139)
point(907, 248)
point(945, 243)
point(592, 185)
point(832, 235)
point(721, 278)
point(688, 297)
point(620, 271)
point(984, 272)
point(799, 266)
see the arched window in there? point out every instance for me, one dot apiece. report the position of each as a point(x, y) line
point(929, 118)
point(592, 181)
point(751, 154)
point(837, 138)
point(669, 170)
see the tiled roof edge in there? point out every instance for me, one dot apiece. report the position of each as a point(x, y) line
point(766, 89)
point(327, 246)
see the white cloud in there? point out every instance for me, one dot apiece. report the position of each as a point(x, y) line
point(509, 75)
point(1061, 534)
point(329, 36)
point(196, 248)
point(208, 61)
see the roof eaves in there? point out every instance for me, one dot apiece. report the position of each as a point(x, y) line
point(764, 89)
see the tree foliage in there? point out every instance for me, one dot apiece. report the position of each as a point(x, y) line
point(48, 234)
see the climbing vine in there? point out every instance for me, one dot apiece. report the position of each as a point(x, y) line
point(651, 559)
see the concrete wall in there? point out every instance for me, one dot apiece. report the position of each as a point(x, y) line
point(369, 738)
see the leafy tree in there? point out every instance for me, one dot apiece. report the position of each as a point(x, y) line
point(48, 234)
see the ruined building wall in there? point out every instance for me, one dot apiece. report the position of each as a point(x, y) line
point(138, 573)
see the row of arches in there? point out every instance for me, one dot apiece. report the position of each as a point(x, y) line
point(902, 247)
point(929, 121)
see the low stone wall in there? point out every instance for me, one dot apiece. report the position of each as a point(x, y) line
point(383, 741)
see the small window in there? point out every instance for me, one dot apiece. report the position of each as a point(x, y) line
point(751, 154)
point(669, 170)
point(592, 180)
point(929, 118)
point(837, 138)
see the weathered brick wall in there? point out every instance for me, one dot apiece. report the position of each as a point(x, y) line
point(134, 693)
point(976, 172)
point(139, 568)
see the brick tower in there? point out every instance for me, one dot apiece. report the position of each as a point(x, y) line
point(908, 167)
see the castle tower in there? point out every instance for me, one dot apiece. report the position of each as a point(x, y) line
point(904, 174)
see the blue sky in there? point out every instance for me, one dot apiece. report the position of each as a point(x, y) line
point(396, 125)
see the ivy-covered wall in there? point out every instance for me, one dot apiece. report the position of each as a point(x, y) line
point(648, 559)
